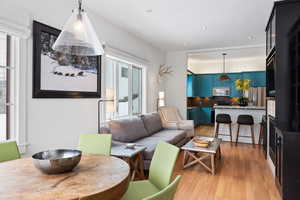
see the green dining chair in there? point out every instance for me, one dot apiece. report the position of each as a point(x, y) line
point(167, 193)
point(95, 143)
point(160, 173)
point(9, 151)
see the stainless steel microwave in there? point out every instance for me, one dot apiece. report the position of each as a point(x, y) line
point(221, 91)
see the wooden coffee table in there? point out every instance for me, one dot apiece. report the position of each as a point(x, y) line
point(133, 157)
point(195, 155)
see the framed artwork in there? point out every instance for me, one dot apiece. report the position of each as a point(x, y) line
point(59, 75)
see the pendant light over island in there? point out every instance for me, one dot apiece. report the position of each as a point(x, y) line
point(224, 76)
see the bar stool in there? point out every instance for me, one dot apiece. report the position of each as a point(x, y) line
point(246, 120)
point(223, 119)
point(261, 132)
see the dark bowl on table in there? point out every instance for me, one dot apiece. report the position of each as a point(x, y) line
point(56, 161)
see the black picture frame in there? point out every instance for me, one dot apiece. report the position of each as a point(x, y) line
point(38, 28)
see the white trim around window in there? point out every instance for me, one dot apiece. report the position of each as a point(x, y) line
point(19, 62)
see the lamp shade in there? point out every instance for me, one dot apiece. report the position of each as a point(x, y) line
point(224, 77)
point(110, 107)
point(161, 95)
point(78, 37)
point(110, 94)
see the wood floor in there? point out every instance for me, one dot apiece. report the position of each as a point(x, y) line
point(242, 174)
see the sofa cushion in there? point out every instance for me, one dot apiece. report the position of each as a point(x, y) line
point(152, 122)
point(170, 136)
point(127, 130)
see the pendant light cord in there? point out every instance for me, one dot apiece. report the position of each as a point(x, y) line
point(80, 5)
point(224, 54)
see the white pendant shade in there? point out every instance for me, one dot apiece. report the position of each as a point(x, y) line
point(78, 37)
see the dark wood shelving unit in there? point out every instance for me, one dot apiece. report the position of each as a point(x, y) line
point(283, 84)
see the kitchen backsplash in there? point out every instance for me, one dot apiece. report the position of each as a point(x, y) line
point(210, 101)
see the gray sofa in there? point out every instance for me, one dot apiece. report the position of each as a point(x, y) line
point(145, 130)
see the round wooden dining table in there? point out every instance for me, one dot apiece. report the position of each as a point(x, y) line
point(96, 177)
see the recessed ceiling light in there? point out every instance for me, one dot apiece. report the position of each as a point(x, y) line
point(149, 11)
point(204, 27)
point(251, 37)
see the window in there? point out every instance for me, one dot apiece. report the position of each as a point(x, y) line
point(127, 80)
point(136, 90)
point(6, 91)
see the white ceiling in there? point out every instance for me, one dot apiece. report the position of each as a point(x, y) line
point(189, 24)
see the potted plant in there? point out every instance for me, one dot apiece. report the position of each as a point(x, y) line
point(242, 86)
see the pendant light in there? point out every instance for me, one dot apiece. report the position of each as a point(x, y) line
point(78, 36)
point(224, 76)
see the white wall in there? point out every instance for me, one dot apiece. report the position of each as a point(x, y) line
point(232, 65)
point(57, 123)
point(175, 84)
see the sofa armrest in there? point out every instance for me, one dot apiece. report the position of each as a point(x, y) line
point(171, 125)
point(187, 123)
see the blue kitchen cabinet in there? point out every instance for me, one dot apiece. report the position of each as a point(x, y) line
point(203, 85)
point(199, 115)
point(205, 115)
point(258, 79)
point(190, 86)
point(194, 114)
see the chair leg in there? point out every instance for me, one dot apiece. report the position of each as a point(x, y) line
point(230, 132)
point(217, 130)
point(237, 135)
point(260, 135)
point(252, 135)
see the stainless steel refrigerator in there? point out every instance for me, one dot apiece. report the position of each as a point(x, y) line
point(257, 96)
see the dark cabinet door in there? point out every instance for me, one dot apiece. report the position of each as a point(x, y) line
point(270, 76)
point(273, 31)
point(279, 160)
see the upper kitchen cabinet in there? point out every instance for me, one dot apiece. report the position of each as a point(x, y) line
point(190, 86)
point(203, 85)
point(258, 79)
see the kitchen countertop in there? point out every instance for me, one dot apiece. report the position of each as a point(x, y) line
point(240, 107)
point(193, 107)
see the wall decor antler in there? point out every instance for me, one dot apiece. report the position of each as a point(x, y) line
point(164, 70)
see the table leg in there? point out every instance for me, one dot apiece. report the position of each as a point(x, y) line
point(141, 166)
point(219, 153)
point(136, 164)
point(137, 167)
point(213, 164)
point(185, 158)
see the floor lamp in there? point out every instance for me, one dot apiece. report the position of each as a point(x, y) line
point(161, 99)
point(110, 105)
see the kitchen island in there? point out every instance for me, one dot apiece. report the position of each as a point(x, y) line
point(234, 112)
